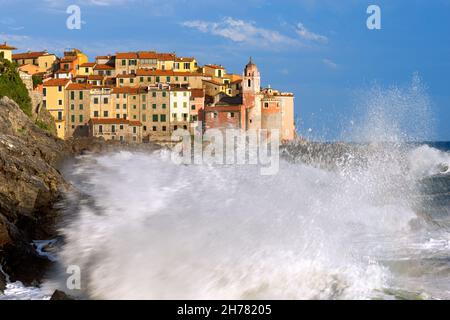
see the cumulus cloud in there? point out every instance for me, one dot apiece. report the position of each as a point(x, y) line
point(306, 34)
point(241, 31)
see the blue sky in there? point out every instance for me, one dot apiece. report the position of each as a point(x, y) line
point(320, 50)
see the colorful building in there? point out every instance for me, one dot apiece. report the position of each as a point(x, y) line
point(116, 129)
point(54, 99)
point(46, 62)
point(6, 51)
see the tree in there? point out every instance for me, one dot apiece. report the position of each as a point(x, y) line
point(11, 86)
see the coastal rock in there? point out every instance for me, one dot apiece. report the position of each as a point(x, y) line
point(29, 187)
point(2, 282)
point(60, 295)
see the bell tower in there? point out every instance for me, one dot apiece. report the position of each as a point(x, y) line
point(251, 87)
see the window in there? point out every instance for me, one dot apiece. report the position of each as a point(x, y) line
point(100, 128)
point(168, 79)
point(144, 97)
point(81, 118)
point(154, 128)
point(185, 94)
point(121, 127)
point(185, 115)
point(86, 70)
point(145, 128)
point(175, 128)
point(121, 81)
point(154, 106)
point(176, 79)
point(81, 106)
point(117, 96)
point(141, 79)
point(164, 106)
point(117, 106)
point(44, 92)
point(124, 116)
point(231, 114)
point(175, 104)
point(176, 65)
point(59, 88)
point(72, 107)
point(149, 79)
point(60, 103)
point(117, 115)
point(266, 105)
point(164, 94)
point(95, 100)
point(72, 118)
point(163, 118)
point(105, 114)
point(134, 117)
point(95, 114)
point(134, 130)
point(124, 95)
point(124, 62)
point(105, 100)
point(175, 94)
point(219, 73)
point(184, 104)
point(124, 106)
point(72, 95)
point(144, 106)
point(157, 79)
point(81, 95)
point(155, 118)
point(249, 83)
point(185, 127)
point(113, 128)
point(174, 116)
point(164, 128)
point(121, 138)
point(132, 81)
point(154, 94)
point(187, 65)
point(134, 107)
point(193, 107)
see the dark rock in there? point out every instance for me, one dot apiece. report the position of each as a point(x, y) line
point(2, 282)
point(60, 295)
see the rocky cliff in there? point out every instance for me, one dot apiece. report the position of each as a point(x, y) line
point(30, 185)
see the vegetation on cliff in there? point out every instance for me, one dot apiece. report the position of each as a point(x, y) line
point(12, 86)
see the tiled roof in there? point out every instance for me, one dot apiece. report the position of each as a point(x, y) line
point(185, 59)
point(166, 56)
point(115, 121)
point(95, 77)
point(78, 86)
point(88, 65)
point(63, 71)
point(4, 46)
point(214, 66)
point(148, 55)
point(29, 55)
point(103, 67)
point(56, 82)
point(126, 76)
point(126, 55)
point(148, 72)
point(69, 58)
point(129, 90)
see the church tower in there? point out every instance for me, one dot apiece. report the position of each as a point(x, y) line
point(251, 87)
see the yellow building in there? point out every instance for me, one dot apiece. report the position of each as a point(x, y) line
point(214, 71)
point(54, 101)
point(6, 51)
point(86, 69)
point(185, 65)
point(42, 59)
point(166, 61)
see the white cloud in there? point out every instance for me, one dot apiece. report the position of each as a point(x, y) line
point(242, 32)
point(330, 63)
point(306, 34)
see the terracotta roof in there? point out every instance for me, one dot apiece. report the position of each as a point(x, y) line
point(148, 55)
point(184, 59)
point(214, 82)
point(29, 55)
point(166, 56)
point(88, 65)
point(129, 90)
point(69, 58)
point(4, 46)
point(126, 55)
point(60, 71)
point(148, 72)
point(197, 93)
point(214, 66)
point(56, 82)
point(126, 76)
point(103, 67)
point(78, 86)
point(95, 77)
point(103, 57)
point(115, 121)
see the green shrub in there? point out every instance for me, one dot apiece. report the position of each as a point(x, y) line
point(12, 86)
